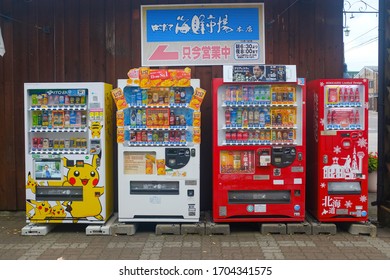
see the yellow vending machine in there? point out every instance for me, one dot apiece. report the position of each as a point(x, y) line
point(69, 132)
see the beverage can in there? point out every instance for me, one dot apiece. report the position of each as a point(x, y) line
point(144, 136)
point(251, 94)
point(45, 99)
point(250, 117)
point(227, 94)
point(34, 119)
point(227, 117)
point(357, 95)
point(239, 117)
point(233, 117)
point(228, 136)
point(245, 94)
point(34, 99)
point(236, 161)
point(83, 119)
point(351, 95)
point(139, 136)
point(183, 96)
point(150, 136)
point(39, 117)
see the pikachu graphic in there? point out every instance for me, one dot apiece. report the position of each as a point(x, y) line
point(95, 128)
point(58, 211)
point(31, 183)
point(86, 176)
point(42, 210)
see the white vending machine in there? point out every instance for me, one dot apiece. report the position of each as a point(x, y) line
point(158, 154)
point(69, 141)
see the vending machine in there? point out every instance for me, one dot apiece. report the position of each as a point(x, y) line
point(69, 142)
point(338, 150)
point(159, 148)
point(259, 164)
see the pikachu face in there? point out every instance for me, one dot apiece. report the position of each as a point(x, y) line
point(84, 175)
point(58, 211)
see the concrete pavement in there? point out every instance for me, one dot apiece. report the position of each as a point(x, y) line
point(245, 241)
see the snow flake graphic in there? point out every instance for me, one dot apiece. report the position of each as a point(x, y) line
point(366, 106)
point(348, 204)
point(324, 212)
point(362, 142)
point(337, 150)
point(322, 84)
point(363, 198)
point(322, 122)
point(323, 185)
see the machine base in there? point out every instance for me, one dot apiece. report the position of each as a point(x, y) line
point(37, 229)
point(101, 229)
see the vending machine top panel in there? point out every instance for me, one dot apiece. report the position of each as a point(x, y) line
point(259, 73)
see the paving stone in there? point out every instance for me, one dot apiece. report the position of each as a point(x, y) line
point(104, 229)
point(195, 228)
point(213, 228)
point(273, 228)
point(124, 229)
point(294, 228)
point(364, 229)
point(167, 229)
point(321, 228)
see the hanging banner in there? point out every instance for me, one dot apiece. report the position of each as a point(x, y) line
point(207, 34)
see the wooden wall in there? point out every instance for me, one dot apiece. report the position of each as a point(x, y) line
point(383, 190)
point(99, 40)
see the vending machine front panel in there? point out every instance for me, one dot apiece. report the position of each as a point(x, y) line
point(338, 145)
point(259, 162)
point(159, 155)
point(68, 143)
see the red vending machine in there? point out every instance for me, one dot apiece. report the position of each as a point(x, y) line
point(259, 145)
point(337, 150)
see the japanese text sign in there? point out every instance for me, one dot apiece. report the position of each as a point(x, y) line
point(208, 34)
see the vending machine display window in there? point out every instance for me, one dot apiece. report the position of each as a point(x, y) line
point(343, 107)
point(235, 162)
point(48, 169)
point(141, 163)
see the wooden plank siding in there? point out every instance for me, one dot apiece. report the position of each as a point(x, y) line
point(99, 40)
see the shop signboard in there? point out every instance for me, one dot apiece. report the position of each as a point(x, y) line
point(207, 34)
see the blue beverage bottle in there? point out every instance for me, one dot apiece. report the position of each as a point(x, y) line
point(233, 117)
point(139, 97)
point(133, 97)
point(251, 94)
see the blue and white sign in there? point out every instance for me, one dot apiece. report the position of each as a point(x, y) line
point(208, 34)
